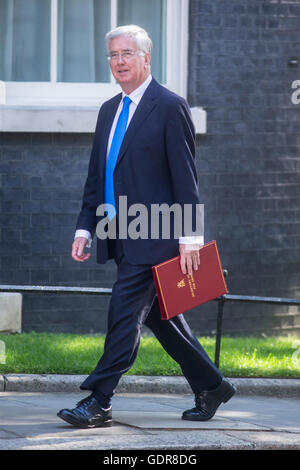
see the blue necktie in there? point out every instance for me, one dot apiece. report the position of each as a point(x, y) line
point(109, 196)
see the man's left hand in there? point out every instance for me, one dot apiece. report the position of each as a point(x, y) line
point(189, 258)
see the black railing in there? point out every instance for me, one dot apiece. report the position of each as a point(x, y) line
point(107, 291)
point(243, 298)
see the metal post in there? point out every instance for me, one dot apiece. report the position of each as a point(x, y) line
point(221, 302)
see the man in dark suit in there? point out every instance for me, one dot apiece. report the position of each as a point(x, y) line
point(143, 150)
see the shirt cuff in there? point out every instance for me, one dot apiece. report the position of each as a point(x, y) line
point(195, 240)
point(85, 234)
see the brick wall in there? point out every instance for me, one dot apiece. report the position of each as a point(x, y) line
point(42, 179)
point(249, 179)
point(248, 163)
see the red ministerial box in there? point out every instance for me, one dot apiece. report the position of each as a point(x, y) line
point(179, 292)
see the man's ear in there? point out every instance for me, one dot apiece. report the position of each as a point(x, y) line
point(147, 59)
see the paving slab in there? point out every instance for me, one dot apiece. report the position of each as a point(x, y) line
point(267, 440)
point(28, 421)
point(194, 441)
point(169, 420)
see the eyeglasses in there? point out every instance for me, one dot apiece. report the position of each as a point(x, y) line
point(114, 56)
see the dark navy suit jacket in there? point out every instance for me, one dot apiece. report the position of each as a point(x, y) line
point(155, 165)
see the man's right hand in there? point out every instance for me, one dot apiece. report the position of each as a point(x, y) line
point(78, 249)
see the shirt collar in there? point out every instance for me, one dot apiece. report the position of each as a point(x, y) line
point(137, 94)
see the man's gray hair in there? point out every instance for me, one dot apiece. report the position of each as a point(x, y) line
point(141, 37)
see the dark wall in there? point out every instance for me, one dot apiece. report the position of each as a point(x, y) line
point(249, 179)
point(248, 162)
point(42, 179)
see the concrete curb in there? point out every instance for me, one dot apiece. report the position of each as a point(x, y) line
point(283, 388)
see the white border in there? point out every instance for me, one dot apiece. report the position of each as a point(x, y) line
point(53, 43)
point(177, 46)
point(65, 119)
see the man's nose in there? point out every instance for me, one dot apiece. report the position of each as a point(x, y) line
point(120, 58)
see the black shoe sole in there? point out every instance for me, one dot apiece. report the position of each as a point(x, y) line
point(74, 422)
point(225, 399)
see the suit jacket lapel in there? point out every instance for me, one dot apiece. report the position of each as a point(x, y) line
point(144, 108)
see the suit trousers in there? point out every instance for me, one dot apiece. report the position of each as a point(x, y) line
point(134, 303)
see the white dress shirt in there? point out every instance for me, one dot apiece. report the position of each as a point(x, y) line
point(194, 242)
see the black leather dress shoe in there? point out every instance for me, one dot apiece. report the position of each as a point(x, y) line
point(207, 402)
point(87, 414)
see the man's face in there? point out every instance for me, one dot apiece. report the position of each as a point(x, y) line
point(131, 72)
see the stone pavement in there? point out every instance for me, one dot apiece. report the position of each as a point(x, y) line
point(148, 421)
